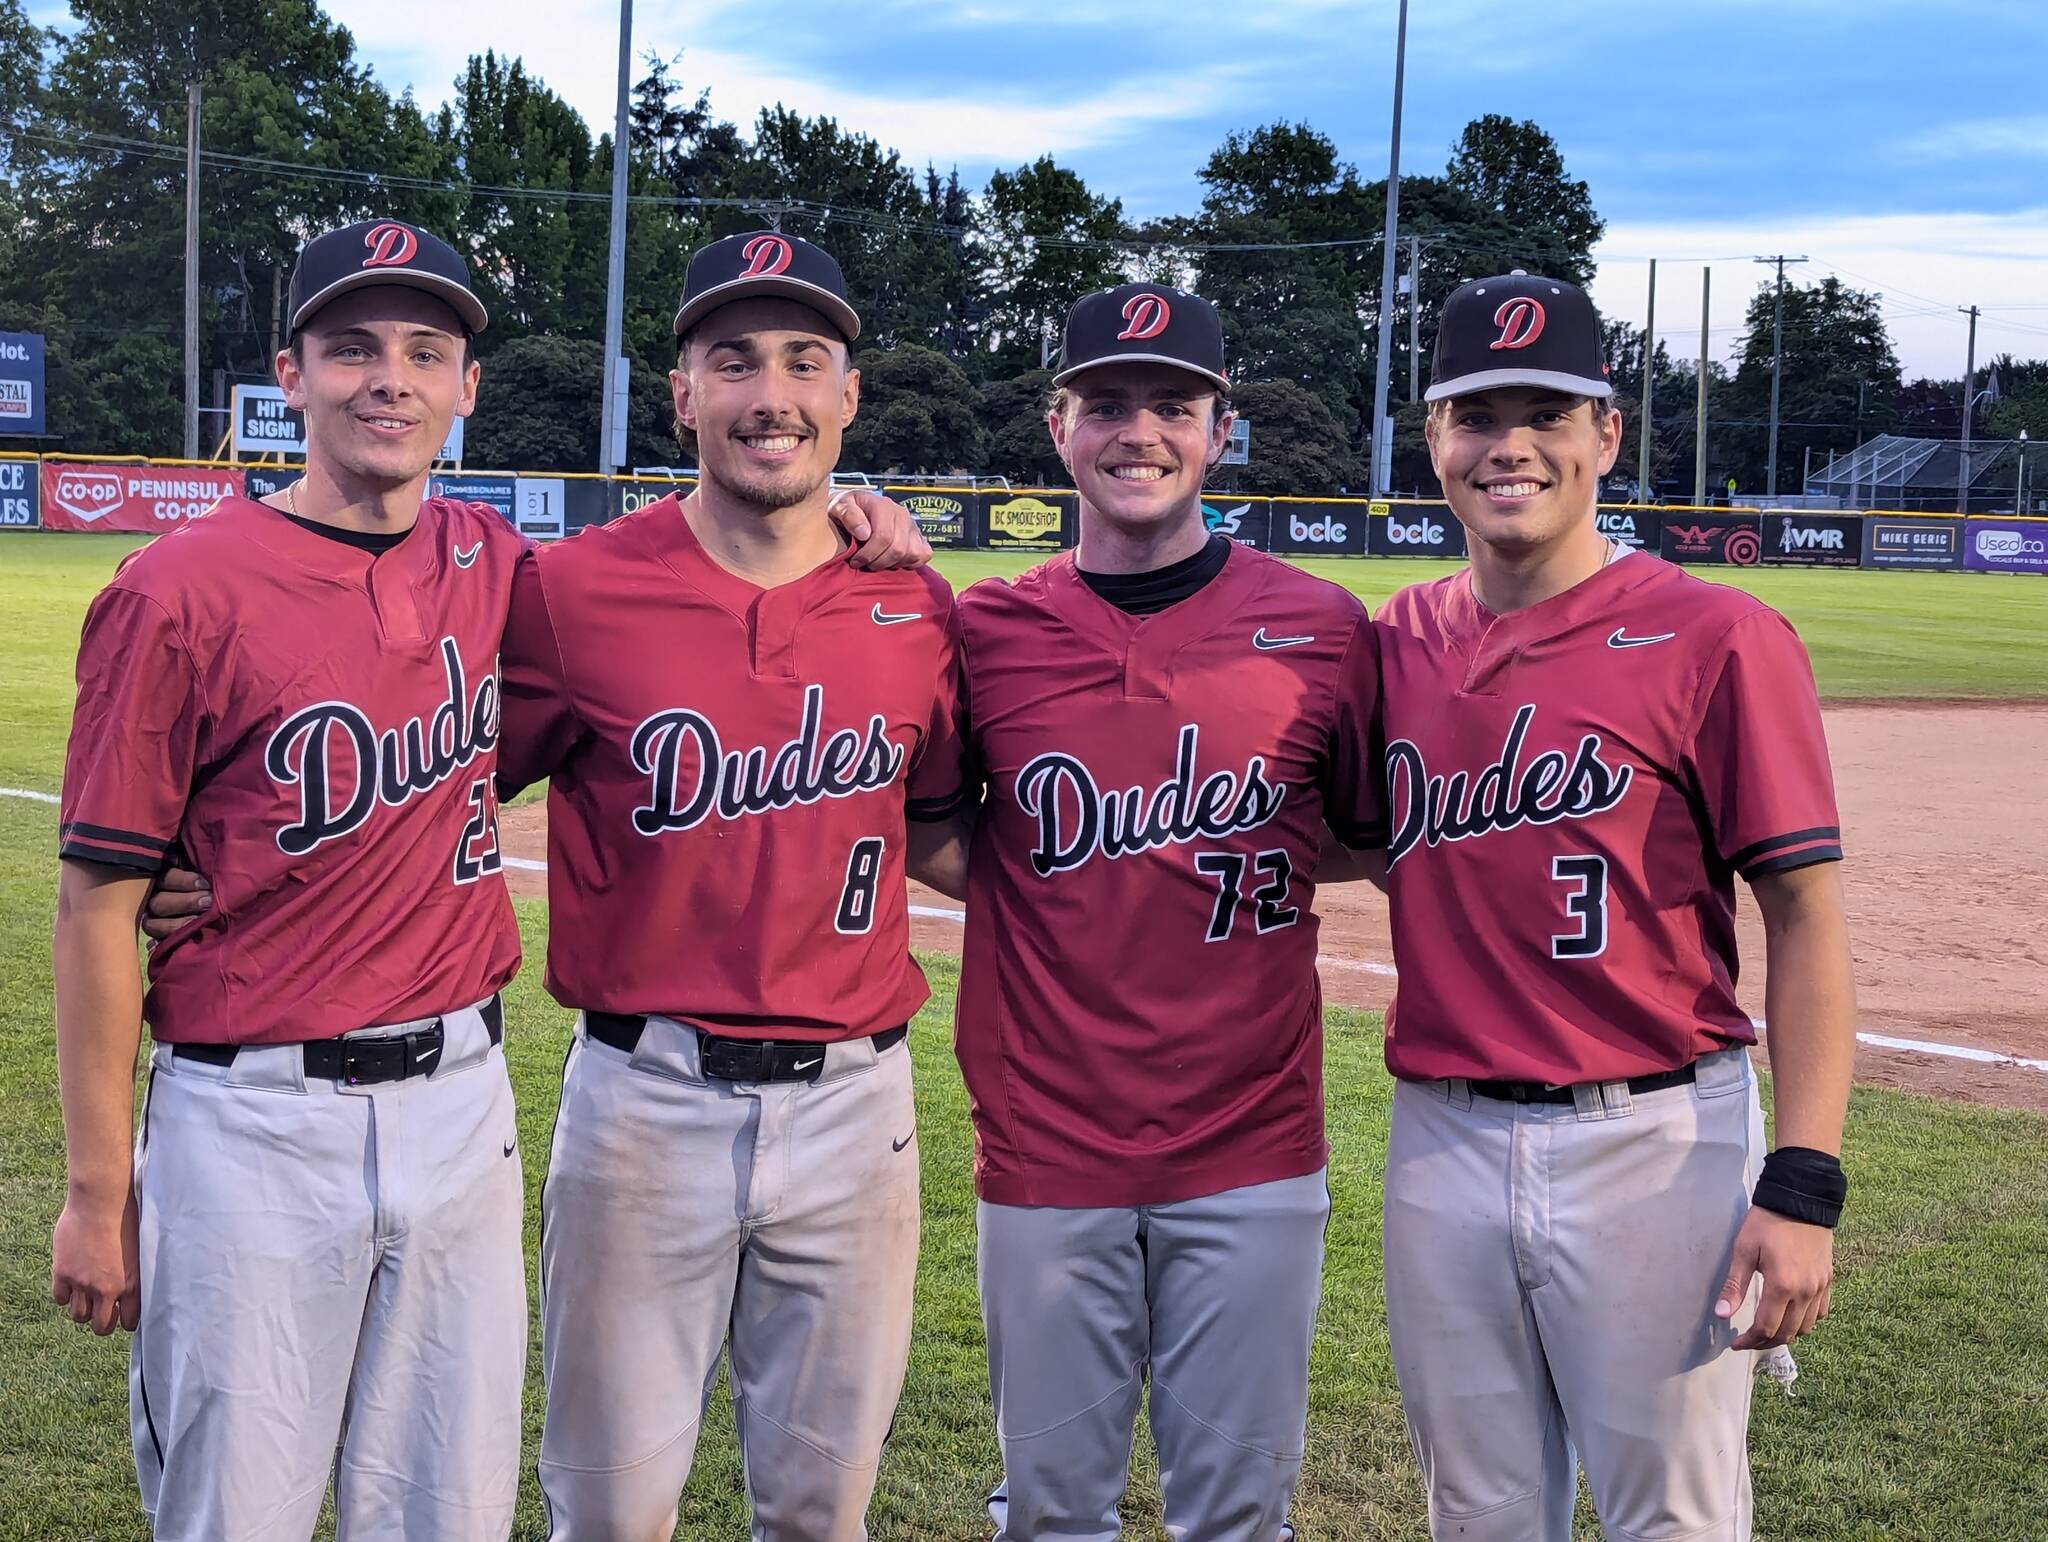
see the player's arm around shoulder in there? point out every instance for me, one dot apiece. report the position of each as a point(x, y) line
point(943, 795)
point(1355, 831)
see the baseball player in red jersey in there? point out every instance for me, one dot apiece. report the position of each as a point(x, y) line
point(1165, 721)
point(732, 717)
point(1585, 747)
point(319, 1243)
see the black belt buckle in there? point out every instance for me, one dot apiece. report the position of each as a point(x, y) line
point(737, 1060)
point(365, 1061)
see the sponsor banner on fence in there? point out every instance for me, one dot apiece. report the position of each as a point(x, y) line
point(1041, 521)
point(142, 500)
point(1989, 546)
point(21, 495)
point(264, 425)
point(1246, 521)
point(586, 501)
point(1812, 540)
point(1415, 530)
point(262, 481)
point(1893, 542)
point(1311, 529)
point(540, 508)
point(21, 383)
point(631, 494)
point(943, 517)
point(1634, 528)
point(1696, 539)
point(496, 491)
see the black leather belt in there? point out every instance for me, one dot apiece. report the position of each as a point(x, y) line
point(359, 1062)
point(1543, 1092)
point(734, 1060)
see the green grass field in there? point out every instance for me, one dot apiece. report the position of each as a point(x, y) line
point(1921, 1410)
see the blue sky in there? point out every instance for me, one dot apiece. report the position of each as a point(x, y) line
point(1901, 144)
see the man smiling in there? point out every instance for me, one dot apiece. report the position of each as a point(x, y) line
point(1585, 747)
point(1165, 721)
point(731, 716)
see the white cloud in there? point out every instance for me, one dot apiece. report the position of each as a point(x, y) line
point(1925, 265)
point(942, 116)
point(2023, 135)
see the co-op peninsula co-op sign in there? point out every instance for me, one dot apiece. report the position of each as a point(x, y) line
point(264, 425)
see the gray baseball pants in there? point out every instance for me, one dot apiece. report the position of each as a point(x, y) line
point(1215, 1296)
point(1551, 1274)
point(683, 1214)
point(333, 1283)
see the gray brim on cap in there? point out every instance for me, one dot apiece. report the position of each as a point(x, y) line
point(1086, 365)
point(465, 305)
point(777, 286)
point(1494, 379)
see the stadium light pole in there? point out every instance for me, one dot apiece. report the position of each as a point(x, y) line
point(1969, 401)
point(192, 271)
point(1383, 449)
point(614, 405)
point(1777, 364)
point(1699, 452)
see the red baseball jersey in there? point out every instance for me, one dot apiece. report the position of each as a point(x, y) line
point(1572, 789)
point(728, 770)
point(315, 729)
point(1139, 1019)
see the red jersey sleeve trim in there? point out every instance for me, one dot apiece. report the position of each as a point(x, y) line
point(1782, 853)
point(82, 842)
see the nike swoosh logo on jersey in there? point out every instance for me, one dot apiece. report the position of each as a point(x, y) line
point(1621, 639)
point(881, 617)
point(465, 559)
point(1267, 644)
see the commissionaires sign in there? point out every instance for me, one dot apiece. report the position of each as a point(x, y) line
point(142, 500)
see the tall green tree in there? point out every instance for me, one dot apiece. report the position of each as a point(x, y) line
point(1019, 444)
point(1296, 446)
point(1042, 241)
point(1835, 341)
point(918, 413)
point(1511, 168)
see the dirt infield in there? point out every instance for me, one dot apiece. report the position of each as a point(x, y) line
point(1946, 879)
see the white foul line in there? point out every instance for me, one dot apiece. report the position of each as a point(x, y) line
point(1369, 966)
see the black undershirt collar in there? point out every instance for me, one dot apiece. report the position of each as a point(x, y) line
point(372, 541)
point(1144, 594)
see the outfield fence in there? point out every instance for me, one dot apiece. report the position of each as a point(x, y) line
point(148, 497)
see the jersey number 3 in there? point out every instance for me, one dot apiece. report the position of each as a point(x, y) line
point(1587, 903)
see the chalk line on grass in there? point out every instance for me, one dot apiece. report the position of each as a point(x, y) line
point(1373, 967)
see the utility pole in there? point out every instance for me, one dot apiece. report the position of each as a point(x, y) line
point(613, 416)
point(1382, 451)
point(1777, 366)
point(1649, 384)
point(1699, 454)
point(1969, 401)
point(1414, 317)
point(192, 271)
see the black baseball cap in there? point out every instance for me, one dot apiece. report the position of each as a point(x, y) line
point(382, 252)
point(1517, 329)
point(1143, 324)
point(766, 262)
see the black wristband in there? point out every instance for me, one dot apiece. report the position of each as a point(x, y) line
point(1805, 1184)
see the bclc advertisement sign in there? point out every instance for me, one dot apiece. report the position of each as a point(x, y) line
point(264, 425)
point(142, 500)
point(2003, 546)
point(1414, 530)
point(1303, 528)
